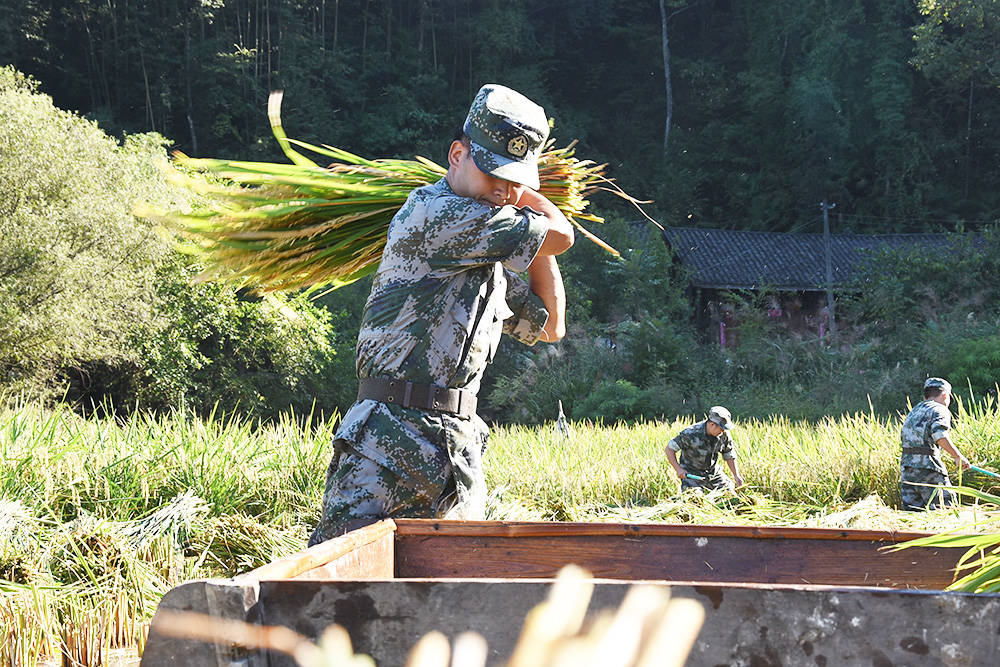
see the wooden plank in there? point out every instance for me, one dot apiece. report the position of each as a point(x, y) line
point(838, 562)
point(365, 553)
point(409, 527)
point(374, 560)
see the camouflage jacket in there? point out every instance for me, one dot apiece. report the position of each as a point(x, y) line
point(445, 290)
point(700, 451)
point(928, 422)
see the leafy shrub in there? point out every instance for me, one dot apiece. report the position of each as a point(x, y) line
point(212, 345)
point(976, 360)
point(96, 304)
point(567, 372)
point(77, 268)
point(610, 401)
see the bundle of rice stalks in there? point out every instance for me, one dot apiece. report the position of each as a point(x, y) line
point(300, 225)
point(85, 638)
point(88, 551)
point(175, 520)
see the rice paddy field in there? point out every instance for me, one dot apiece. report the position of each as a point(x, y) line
point(100, 516)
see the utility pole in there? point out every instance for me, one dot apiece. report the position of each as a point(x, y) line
point(828, 251)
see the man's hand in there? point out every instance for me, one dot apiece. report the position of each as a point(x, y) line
point(672, 460)
point(960, 460)
point(733, 468)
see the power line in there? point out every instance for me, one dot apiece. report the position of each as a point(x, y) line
point(861, 216)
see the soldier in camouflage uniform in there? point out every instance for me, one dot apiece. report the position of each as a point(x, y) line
point(445, 290)
point(700, 446)
point(926, 431)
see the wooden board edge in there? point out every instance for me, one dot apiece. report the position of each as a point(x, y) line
point(320, 554)
point(442, 527)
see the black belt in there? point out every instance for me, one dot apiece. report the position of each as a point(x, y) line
point(918, 450)
point(423, 396)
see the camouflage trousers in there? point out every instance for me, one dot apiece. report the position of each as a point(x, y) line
point(714, 480)
point(399, 462)
point(916, 497)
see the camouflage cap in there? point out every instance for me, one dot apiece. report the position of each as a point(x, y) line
point(938, 383)
point(507, 131)
point(720, 416)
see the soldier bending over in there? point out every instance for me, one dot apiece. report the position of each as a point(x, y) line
point(700, 446)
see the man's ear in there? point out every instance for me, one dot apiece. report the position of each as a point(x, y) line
point(456, 152)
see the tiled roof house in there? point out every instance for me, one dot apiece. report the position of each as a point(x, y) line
point(791, 266)
point(746, 260)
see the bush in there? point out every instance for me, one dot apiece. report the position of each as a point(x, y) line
point(610, 401)
point(976, 361)
point(97, 305)
point(214, 345)
point(534, 382)
point(77, 268)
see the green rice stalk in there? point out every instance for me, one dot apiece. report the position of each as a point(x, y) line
point(300, 225)
point(979, 566)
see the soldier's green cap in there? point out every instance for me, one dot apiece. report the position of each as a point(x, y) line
point(720, 416)
point(508, 132)
point(938, 383)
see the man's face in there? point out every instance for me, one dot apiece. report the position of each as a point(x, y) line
point(713, 429)
point(467, 180)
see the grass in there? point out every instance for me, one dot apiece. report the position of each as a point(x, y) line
point(795, 471)
point(100, 516)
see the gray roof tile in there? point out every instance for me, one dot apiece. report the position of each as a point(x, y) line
point(736, 259)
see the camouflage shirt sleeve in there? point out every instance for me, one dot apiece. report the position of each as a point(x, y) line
point(530, 314)
point(680, 441)
point(463, 233)
point(728, 447)
point(940, 424)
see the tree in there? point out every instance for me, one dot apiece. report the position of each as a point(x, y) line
point(77, 267)
point(97, 303)
point(958, 46)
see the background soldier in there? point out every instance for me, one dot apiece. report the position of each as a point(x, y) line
point(926, 431)
point(447, 286)
point(700, 446)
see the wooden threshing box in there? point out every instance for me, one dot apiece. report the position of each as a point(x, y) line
point(772, 596)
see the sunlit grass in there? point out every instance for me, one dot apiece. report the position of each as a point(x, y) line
point(795, 472)
point(100, 516)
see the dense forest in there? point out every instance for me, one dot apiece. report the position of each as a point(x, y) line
point(728, 113)
point(735, 114)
